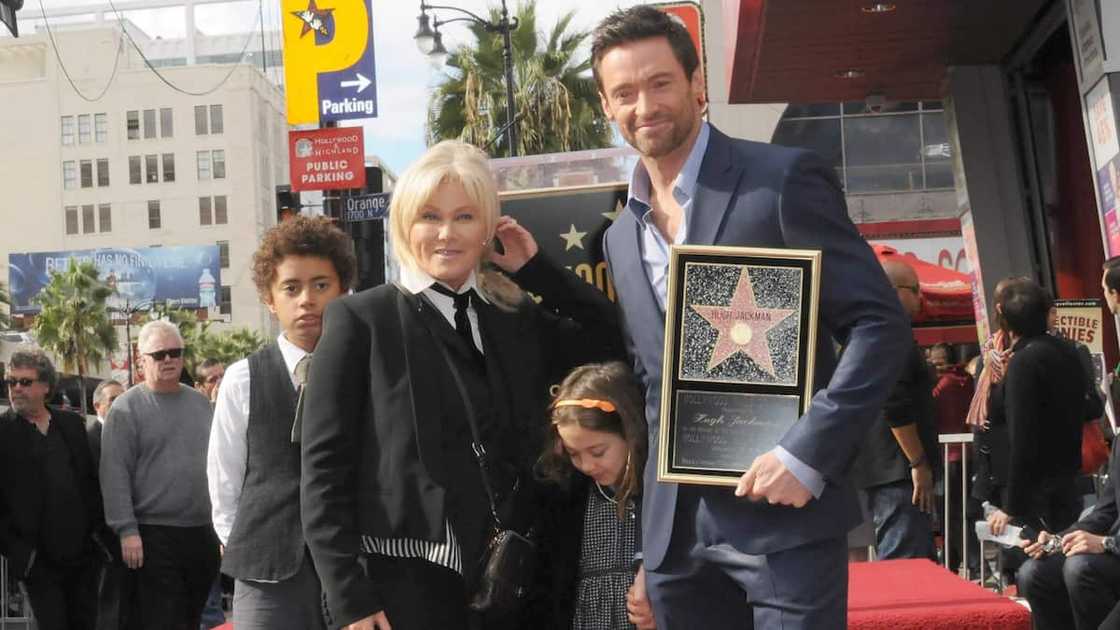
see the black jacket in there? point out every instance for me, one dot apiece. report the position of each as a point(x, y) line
point(1104, 519)
point(1045, 404)
point(371, 443)
point(881, 460)
point(21, 487)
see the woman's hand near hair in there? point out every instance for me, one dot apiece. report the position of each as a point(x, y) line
point(637, 603)
point(518, 244)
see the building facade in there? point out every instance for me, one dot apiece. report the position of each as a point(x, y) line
point(144, 165)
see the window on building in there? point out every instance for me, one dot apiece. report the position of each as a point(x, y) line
point(223, 254)
point(134, 169)
point(87, 220)
point(201, 121)
point(221, 217)
point(154, 218)
point(936, 151)
point(101, 128)
point(149, 123)
point(217, 124)
point(151, 169)
point(168, 167)
point(85, 170)
point(203, 158)
point(205, 212)
point(166, 123)
point(105, 218)
point(69, 175)
point(71, 219)
point(102, 172)
point(85, 129)
point(219, 161)
point(132, 122)
point(902, 149)
point(67, 130)
point(227, 301)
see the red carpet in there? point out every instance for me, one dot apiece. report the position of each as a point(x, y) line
point(920, 595)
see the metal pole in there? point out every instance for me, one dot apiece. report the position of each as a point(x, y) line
point(507, 56)
point(128, 339)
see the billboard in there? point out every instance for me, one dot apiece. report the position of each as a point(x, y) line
point(328, 61)
point(183, 276)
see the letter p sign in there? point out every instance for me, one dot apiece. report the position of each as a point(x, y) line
point(328, 60)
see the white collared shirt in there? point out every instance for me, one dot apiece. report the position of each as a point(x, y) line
point(228, 452)
point(417, 282)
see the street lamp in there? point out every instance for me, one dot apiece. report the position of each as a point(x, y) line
point(128, 309)
point(430, 42)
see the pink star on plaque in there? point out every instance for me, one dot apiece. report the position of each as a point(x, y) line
point(742, 326)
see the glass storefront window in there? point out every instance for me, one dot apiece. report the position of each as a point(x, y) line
point(883, 154)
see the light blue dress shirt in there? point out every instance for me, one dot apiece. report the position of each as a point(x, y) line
point(655, 258)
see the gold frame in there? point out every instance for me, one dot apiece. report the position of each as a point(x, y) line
point(674, 323)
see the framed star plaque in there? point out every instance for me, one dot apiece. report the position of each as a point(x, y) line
point(740, 335)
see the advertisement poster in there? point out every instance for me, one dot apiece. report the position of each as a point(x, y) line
point(329, 67)
point(1081, 321)
point(979, 302)
point(182, 276)
point(1108, 184)
point(327, 159)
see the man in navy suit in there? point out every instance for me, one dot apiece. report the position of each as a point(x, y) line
point(772, 551)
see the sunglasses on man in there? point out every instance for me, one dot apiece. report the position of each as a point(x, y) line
point(22, 382)
point(160, 355)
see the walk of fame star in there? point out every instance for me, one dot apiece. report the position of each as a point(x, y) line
point(742, 326)
point(574, 238)
point(313, 18)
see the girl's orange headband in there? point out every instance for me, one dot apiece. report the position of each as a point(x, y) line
point(586, 403)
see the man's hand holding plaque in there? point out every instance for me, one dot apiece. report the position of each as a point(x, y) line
point(769, 479)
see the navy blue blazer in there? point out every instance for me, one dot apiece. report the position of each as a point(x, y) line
point(753, 194)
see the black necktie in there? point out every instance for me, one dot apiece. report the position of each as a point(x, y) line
point(462, 322)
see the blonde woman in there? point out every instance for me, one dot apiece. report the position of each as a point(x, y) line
point(394, 506)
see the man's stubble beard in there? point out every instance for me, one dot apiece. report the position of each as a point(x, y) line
point(653, 148)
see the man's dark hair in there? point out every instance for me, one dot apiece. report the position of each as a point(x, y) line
point(303, 236)
point(637, 23)
point(1025, 307)
point(1112, 273)
point(99, 392)
point(35, 359)
point(206, 364)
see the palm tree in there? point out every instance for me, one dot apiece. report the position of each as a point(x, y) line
point(6, 300)
point(73, 322)
point(556, 99)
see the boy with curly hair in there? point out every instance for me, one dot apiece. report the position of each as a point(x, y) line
point(253, 464)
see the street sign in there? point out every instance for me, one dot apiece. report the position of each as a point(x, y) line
point(328, 61)
point(372, 207)
point(691, 15)
point(327, 159)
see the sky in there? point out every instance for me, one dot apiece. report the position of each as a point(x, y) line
point(404, 76)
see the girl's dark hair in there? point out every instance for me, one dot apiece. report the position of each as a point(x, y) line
point(614, 383)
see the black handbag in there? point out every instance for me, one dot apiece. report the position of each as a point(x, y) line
point(508, 564)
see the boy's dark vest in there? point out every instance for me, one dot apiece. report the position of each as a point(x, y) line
point(266, 542)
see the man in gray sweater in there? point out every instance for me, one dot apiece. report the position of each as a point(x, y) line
point(153, 479)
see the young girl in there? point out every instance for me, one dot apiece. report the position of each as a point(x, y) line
point(597, 447)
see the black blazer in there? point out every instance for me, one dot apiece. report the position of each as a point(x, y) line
point(21, 487)
point(371, 441)
point(1044, 401)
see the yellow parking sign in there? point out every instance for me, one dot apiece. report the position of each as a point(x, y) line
point(328, 60)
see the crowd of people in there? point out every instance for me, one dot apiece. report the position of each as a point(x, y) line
point(402, 458)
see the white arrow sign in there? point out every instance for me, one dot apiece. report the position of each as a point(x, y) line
point(361, 83)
